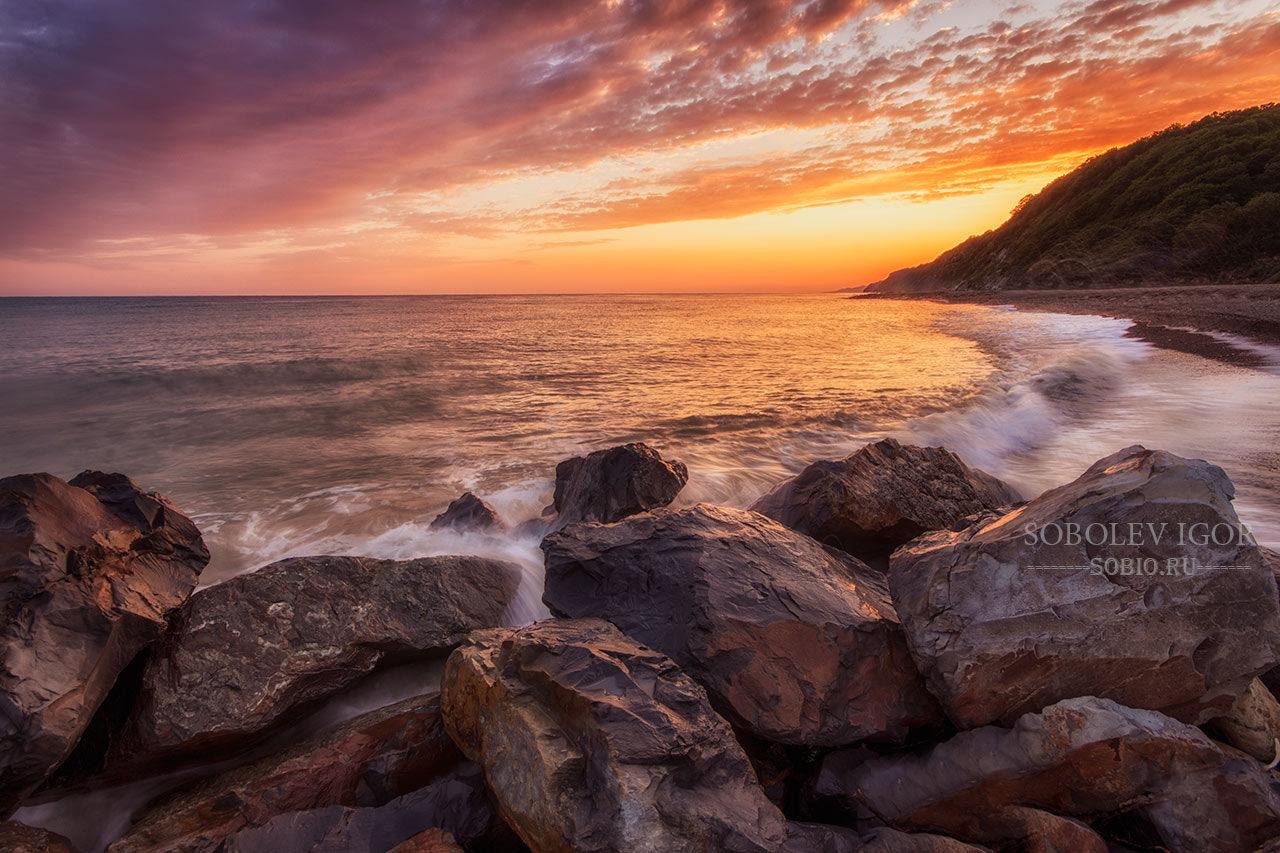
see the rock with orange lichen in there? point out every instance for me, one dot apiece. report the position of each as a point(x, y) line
point(794, 642)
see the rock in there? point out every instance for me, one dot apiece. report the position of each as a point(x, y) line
point(1079, 757)
point(882, 496)
point(254, 653)
point(1253, 725)
point(431, 841)
point(467, 514)
point(88, 572)
point(794, 642)
point(609, 485)
point(19, 838)
point(593, 742)
point(818, 838)
point(1034, 831)
point(336, 829)
point(367, 761)
point(1001, 622)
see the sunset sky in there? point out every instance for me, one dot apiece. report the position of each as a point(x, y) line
point(387, 146)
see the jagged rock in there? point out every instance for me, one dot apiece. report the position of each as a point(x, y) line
point(1001, 622)
point(19, 838)
point(1079, 757)
point(468, 513)
point(367, 761)
point(1253, 724)
point(885, 494)
point(819, 838)
point(370, 830)
point(431, 841)
point(88, 572)
point(609, 485)
point(593, 742)
point(253, 653)
point(794, 642)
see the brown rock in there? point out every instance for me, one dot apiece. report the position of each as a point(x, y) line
point(592, 742)
point(1080, 757)
point(468, 513)
point(249, 655)
point(368, 761)
point(887, 493)
point(609, 485)
point(88, 572)
point(819, 838)
point(19, 838)
point(1253, 725)
point(1001, 622)
point(431, 841)
point(794, 642)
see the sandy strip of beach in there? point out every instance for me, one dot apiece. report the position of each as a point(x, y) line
point(1161, 315)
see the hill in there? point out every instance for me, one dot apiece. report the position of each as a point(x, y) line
point(1194, 203)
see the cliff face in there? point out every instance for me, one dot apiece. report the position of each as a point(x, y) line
point(1187, 204)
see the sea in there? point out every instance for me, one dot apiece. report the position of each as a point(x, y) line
point(344, 425)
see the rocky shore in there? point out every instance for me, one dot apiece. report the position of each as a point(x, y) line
point(888, 652)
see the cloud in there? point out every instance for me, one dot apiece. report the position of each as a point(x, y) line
point(151, 119)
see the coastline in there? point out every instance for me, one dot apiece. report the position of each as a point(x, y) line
point(1182, 318)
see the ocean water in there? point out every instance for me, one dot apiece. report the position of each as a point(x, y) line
point(290, 426)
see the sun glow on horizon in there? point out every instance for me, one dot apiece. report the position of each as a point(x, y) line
point(779, 146)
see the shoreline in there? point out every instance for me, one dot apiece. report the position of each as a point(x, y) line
point(1182, 318)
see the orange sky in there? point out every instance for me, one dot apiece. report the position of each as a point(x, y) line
point(395, 146)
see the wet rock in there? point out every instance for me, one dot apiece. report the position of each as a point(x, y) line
point(467, 514)
point(337, 829)
point(19, 838)
point(252, 654)
point(794, 642)
point(1080, 757)
point(593, 742)
point(368, 761)
point(431, 841)
point(882, 496)
point(88, 572)
point(1010, 614)
point(609, 485)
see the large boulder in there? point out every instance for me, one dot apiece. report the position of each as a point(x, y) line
point(88, 572)
point(368, 761)
point(885, 494)
point(794, 642)
point(609, 485)
point(819, 838)
point(251, 654)
point(468, 514)
point(1080, 757)
point(1020, 610)
point(593, 742)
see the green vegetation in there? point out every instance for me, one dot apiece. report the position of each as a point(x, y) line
point(1199, 203)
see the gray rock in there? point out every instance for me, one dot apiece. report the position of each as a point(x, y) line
point(609, 485)
point(593, 742)
point(468, 513)
point(88, 572)
point(1253, 724)
point(794, 642)
point(250, 655)
point(1009, 614)
point(882, 496)
point(1080, 757)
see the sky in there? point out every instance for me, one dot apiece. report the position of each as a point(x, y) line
point(430, 146)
